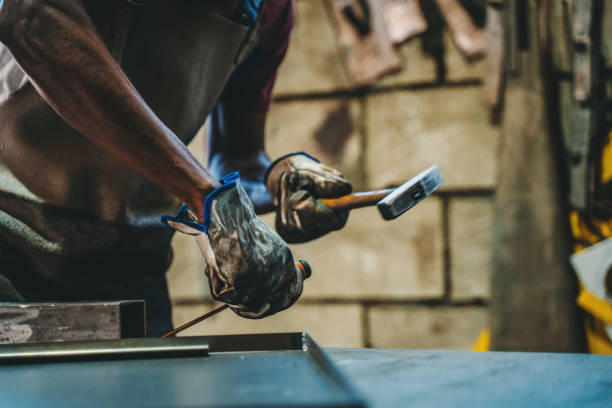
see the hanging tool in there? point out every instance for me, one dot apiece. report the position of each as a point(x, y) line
point(404, 19)
point(586, 37)
point(358, 13)
point(302, 265)
point(466, 35)
point(493, 78)
point(364, 43)
point(392, 202)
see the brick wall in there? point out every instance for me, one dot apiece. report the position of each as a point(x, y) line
point(421, 281)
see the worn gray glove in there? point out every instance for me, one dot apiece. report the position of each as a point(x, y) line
point(248, 265)
point(295, 181)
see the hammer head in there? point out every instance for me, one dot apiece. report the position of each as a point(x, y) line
point(410, 193)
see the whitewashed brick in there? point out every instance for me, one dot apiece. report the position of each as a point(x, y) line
point(418, 66)
point(422, 327)
point(330, 325)
point(186, 279)
point(471, 234)
point(376, 259)
point(409, 131)
point(326, 129)
point(457, 67)
point(312, 63)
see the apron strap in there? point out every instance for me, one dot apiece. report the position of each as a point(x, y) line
point(122, 27)
point(249, 7)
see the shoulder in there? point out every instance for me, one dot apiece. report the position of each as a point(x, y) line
point(278, 10)
point(277, 22)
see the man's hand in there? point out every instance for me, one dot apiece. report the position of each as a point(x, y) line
point(295, 182)
point(248, 265)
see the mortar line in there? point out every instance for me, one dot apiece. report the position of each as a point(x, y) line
point(365, 326)
point(464, 192)
point(381, 301)
point(363, 132)
point(194, 302)
point(446, 249)
point(359, 92)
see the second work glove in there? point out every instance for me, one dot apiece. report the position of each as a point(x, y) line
point(248, 265)
point(295, 182)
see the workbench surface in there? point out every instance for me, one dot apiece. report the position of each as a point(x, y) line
point(384, 378)
point(418, 378)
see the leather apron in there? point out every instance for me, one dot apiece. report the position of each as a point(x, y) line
point(76, 223)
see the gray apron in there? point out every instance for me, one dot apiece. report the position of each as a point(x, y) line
point(76, 223)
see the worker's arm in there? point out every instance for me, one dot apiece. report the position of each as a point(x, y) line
point(236, 143)
point(237, 123)
point(291, 185)
point(57, 45)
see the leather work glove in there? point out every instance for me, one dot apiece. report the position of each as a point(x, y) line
point(248, 265)
point(295, 181)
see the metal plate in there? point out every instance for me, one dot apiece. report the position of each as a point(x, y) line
point(443, 379)
point(254, 370)
point(71, 321)
point(101, 350)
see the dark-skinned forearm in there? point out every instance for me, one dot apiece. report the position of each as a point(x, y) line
point(57, 45)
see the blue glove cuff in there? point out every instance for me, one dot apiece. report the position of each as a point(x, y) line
point(228, 182)
point(181, 217)
point(275, 162)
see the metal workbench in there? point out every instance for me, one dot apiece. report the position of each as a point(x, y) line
point(419, 378)
point(290, 370)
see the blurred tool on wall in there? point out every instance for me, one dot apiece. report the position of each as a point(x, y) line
point(369, 30)
point(557, 161)
point(590, 171)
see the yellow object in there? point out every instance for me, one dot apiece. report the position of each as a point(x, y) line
point(596, 343)
point(586, 233)
point(606, 160)
point(596, 306)
point(601, 310)
point(484, 341)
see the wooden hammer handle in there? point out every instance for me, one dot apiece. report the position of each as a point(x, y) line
point(356, 200)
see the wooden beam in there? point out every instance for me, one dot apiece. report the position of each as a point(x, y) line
point(533, 299)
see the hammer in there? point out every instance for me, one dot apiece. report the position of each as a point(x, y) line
point(392, 202)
